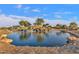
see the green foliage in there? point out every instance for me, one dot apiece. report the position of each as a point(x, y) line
point(25, 36)
point(59, 26)
point(24, 23)
point(39, 21)
point(64, 26)
point(46, 25)
point(73, 26)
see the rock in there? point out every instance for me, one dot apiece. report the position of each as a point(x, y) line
point(4, 35)
point(76, 51)
point(8, 41)
point(72, 38)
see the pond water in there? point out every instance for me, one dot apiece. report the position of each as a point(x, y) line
point(50, 39)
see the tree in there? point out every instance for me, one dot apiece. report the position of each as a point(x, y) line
point(46, 25)
point(73, 26)
point(58, 26)
point(24, 36)
point(24, 23)
point(39, 21)
point(64, 27)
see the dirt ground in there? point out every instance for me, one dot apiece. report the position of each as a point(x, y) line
point(71, 48)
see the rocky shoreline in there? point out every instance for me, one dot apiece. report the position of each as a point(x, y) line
point(71, 48)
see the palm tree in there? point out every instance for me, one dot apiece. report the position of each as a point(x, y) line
point(73, 26)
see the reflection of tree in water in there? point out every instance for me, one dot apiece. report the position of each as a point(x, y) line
point(24, 35)
point(39, 36)
point(46, 34)
point(59, 33)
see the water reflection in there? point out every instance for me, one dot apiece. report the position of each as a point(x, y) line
point(60, 33)
point(24, 35)
point(40, 37)
point(52, 38)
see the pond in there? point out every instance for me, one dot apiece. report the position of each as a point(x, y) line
point(50, 39)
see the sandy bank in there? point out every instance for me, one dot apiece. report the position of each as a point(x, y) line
point(66, 49)
point(72, 47)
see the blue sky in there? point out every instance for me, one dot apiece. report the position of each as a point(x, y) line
point(49, 11)
point(53, 12)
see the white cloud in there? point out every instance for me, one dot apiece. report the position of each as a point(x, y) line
point(27, 7)
point(29, 19)
point(74, 18)
point(57, 21)
point(57, 16)
point(63, 21)
point(66, 12)
point(35, 10)
point(19, 6)
point(7, 21)
point(11, 20)
point(44, 14)
point(16, 17)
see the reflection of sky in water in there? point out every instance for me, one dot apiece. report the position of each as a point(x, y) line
point(53, 38)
